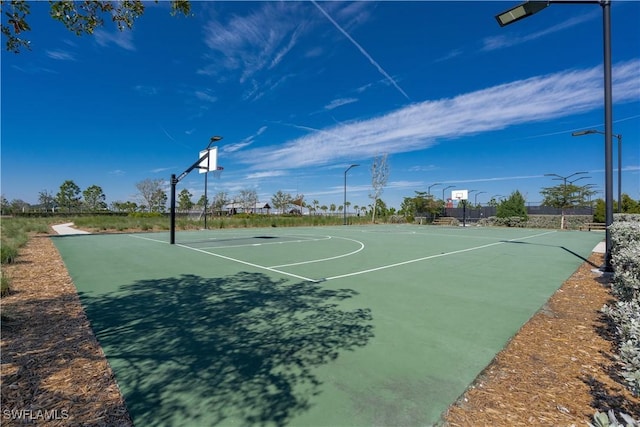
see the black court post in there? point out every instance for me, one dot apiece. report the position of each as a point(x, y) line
point(175, 180)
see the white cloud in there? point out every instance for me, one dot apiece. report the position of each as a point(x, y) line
point(339, 103)
point(256, 41)
point(421, 125)
point(205, 96)
point(427, 168)
point(124, 38)
point(269, 174)
point(146, 90)
point(503, 41)
point(60, 55)
point(230, 148)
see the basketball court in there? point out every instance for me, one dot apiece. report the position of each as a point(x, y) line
point(314, 326)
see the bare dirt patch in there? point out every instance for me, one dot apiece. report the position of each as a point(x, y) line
point(556, 371)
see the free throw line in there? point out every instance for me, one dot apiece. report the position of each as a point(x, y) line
point(397, 264)
point(262, 267)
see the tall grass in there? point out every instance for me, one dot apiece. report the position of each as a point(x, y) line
point(15, 232)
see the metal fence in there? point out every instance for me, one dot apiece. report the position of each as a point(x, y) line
point(475, 214)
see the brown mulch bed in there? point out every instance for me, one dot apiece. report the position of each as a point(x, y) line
point(53, 369)
point(555, 372)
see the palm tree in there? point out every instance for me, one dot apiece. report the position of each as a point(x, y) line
point(324, 208)
point(332, 208)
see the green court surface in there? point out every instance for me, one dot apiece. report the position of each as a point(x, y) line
point(324, 326)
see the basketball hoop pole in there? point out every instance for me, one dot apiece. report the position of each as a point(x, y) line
point(175, 180)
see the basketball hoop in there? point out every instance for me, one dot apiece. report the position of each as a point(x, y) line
point(216, 173)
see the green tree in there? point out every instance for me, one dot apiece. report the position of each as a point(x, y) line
point(514, 206)
point(281, 201)
point(380, 210)
point(248, 199)
point(47, 200)
point(566, 196)
point(128, 206)
point(4, 205)
point(379, 177)
point(421, 204)
point(94, 198)
point(184, 200)
point(629, 205)
point(79, 17)
point(19, 205)
point(599, 213)
point(69, 196)
point(149, 190)
point(219, 201)
point(158, 202)
point(324, 209)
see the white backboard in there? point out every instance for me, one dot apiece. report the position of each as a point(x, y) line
point(459, 194)
point(210, 164)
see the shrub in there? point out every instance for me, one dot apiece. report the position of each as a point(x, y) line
point(513, 207)
point(4, 285)
point(608, 419)
point(9, 253)
point(625, 259)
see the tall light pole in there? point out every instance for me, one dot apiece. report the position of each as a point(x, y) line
point(432, 185)
point(475, 200)
point(619, 136)
point(528, 8)
point(344, 210)
point(206, 174)
point(444, 203)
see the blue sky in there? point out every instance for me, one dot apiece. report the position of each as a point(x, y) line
point(301, 90)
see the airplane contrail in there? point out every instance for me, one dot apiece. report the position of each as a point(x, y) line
point(361, 49)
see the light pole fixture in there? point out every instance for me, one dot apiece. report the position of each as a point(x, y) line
point(619, 137)
point(344, 210)
point(528, 8)
point(565, 178)
point(475, 200)
point(213, 139)
point(432, 185)
point(520, 11)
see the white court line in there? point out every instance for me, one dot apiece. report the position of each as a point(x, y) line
point(325, 259)
point(232, 259)
point(146, 238)
point(248, 263)
point(268, 243)
point(356, 273)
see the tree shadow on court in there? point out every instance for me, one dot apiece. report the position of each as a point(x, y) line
point(551, 246)
point(240, 349)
